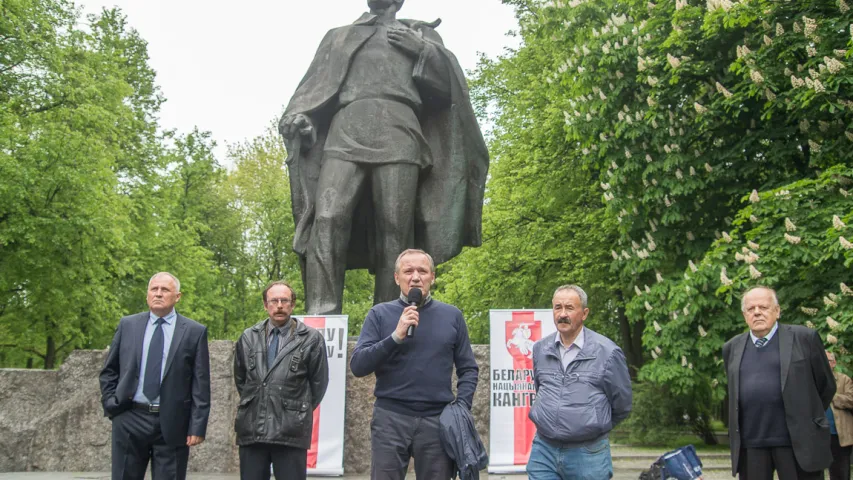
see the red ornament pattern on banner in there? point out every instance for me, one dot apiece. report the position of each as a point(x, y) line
point(521, 333)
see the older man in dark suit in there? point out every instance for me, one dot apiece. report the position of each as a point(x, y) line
point(780, 385)
point(155, 387)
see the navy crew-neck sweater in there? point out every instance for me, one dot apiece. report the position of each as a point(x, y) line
point(414, 377)
point(762, 410)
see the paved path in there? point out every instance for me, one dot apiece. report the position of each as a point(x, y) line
point(628, 462)
point(619, 475)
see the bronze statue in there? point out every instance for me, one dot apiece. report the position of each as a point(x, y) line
point(384, 154)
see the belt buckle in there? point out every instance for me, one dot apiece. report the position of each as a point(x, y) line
point(153, 408)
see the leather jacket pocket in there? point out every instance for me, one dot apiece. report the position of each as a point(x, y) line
point(244, 421)
point(293, 420)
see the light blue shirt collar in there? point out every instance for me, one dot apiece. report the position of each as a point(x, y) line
point(769, 335)
point(578, 342)
point(169, 318)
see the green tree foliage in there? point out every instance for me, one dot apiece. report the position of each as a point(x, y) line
point(260, 192)
point(74, 105)
point(94, 199)
point(678, 110)
point(194, 233)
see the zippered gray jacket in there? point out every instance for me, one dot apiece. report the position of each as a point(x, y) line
point(587, 399)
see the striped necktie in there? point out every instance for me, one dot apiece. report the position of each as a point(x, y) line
point(761, 342)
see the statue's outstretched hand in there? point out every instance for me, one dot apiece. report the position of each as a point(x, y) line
point(299, 123)
point(406, 40)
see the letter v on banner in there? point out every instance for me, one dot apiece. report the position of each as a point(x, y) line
point(513, 334)
point(326, 453)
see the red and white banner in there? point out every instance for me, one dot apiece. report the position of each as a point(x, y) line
point(513, 333)
point(326, 455)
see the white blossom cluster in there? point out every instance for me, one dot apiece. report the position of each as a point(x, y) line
point(754, 273)
point(712, 5)
point(724, 279)
point(832, 65)
point(810, 26)
point(722, 89)
point(753, 197)
point(789, 225)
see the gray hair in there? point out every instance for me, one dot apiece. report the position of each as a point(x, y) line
point(574, 288)
point(743, 298)
point(166, 274)
point(411, 251)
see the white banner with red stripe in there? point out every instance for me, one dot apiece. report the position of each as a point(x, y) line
point(513, 333)
point(326, 455)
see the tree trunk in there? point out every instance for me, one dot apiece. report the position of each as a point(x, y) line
point(50, 353)
point(637, 337)
point(703, 429)
point(632, 340)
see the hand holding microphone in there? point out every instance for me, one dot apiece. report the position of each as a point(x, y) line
point(409, 318)
point(414, 298)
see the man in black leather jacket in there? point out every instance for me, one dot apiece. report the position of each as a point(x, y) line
point(281, 372)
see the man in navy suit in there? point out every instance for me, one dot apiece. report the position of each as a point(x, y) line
point(155, 387)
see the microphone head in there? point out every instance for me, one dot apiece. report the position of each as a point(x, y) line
point(415, 296)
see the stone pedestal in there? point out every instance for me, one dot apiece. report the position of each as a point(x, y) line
point(51, 420)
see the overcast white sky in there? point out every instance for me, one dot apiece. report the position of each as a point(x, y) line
point(231, 67)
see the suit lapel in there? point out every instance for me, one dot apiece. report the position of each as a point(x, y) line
point(177, 336)
point(734, 366)
point(786, 345)
point(138, 336)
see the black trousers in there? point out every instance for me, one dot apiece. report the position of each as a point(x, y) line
point(395, 438)
point(840, 468)
point(288, 463)
point(759, 464)
point(138, 439)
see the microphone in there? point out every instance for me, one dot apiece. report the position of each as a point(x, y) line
point(414, 298)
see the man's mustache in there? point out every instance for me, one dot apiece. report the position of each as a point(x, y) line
point(564, 320)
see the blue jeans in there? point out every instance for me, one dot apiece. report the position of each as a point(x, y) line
point(589, 461)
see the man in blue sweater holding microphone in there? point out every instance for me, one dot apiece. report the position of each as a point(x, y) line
point(412, 344)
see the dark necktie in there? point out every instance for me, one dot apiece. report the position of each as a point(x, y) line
point(761, 342)
point(154, 363)
point(272, 351)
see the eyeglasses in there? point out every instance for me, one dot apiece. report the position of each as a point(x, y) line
point(279, 301)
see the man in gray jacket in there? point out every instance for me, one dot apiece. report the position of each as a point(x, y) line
point(281, 372)
point(583, 390)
